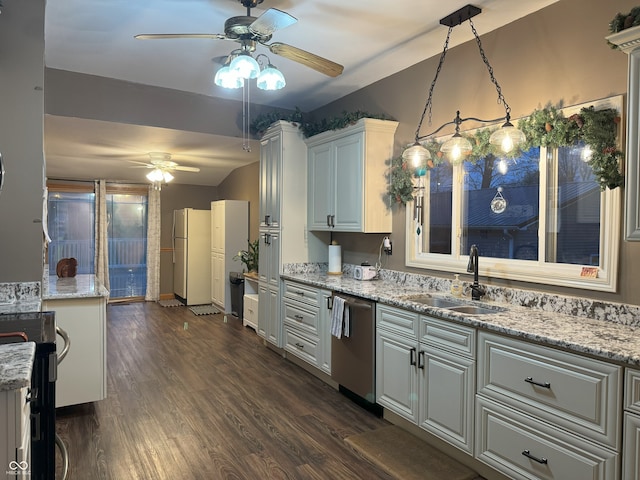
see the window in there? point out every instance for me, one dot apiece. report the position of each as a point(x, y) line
point(539, 218)
point(71, 223)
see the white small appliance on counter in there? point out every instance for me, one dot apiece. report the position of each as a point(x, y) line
point(364, 272)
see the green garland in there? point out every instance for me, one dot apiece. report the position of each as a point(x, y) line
point(545, 127)
point(263, 121)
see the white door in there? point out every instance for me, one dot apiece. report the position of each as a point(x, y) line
point(180, 267)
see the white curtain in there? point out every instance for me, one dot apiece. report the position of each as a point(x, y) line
point(102, 242)
point(153, 245)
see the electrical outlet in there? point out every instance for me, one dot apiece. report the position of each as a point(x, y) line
point(386, 245)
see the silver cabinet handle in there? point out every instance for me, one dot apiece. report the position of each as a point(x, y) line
point(298, 317)
point(539, 384)
point(67, 343)
point(541, 460)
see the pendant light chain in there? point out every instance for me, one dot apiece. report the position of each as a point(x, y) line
point(428, 105)
point(501, 99)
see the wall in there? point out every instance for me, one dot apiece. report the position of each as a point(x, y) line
point(556, 55)
point(21, 103)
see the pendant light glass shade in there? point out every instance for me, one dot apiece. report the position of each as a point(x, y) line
point(456, 147)
point(227, 79)
point(245, 66)
point(271, 79)
point(417, 156)
point(507, 138)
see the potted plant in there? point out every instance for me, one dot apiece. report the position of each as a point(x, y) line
point(250, 256)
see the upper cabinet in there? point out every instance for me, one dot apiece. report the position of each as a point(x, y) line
point(628, 41)
point(347, 185)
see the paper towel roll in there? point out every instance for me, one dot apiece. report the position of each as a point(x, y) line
point(335, 259)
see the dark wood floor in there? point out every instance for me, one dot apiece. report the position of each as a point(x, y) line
point(192, 397)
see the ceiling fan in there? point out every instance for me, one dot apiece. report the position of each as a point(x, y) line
point(250, 31)
point(162, 161)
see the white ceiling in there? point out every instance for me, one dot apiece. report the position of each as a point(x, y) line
point(372, 40)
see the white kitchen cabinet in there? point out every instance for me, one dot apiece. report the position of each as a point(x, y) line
point(446, 361)
point(15, 432)
point(631, 427)
point(347, 178)
point(250, 302)
point(305, 324)
point(283, 211)
point(397, 361)
point(544, 413)
point(82, 376)
point(628, 41)
point(229, 235)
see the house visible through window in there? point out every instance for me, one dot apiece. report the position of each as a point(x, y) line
point(71, 225)
point(541, 217)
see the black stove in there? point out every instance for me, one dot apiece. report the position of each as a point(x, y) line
point(39, 327)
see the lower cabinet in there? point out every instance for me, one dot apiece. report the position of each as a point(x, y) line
point(543, 413)
point(631, 433)
point(425, 372)
point(15, 432)
point(269, 325)
point(305, 313)
point(82, 375)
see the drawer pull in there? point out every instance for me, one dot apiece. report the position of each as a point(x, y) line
point(298, 317)
point(412, 356)
point(541, 460)
point(539, 384)
point(299, 346)
point(300, 293)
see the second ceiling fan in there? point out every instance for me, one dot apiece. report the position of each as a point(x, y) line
point(250, 31)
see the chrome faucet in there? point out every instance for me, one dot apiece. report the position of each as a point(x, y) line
point(477, 290)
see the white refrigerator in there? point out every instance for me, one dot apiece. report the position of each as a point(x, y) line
point(191, 251)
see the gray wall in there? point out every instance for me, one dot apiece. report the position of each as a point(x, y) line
point(556, 55)
point(21, 104)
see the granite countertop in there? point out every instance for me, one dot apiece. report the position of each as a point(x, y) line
point(548, 324)
point(16, 365)
point(80, 286)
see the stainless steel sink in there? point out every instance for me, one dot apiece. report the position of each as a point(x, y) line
point(427, 299)
point(474, 309)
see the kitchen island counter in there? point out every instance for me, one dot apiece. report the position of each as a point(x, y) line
point(607, 331)
point(80, 286)
point(16, 365)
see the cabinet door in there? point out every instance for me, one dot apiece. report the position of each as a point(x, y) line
point(217, 226)
point(264, 309)
point(349, 194)
point(270, 160)
point(320, 176)
point(396, 375)
point(324, 331)
point(217, 279)
point(274, 328)
point(447, 396)
point(631, 447)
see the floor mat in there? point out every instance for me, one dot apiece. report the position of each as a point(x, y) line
point(170, 303)
point(406, 457)
point(204, 310)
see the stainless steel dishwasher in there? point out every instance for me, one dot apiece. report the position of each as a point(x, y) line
point(353, 358)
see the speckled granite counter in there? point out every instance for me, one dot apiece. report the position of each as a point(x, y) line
point(608, 331)
point(19, 297)
point(80, 286)
point(16, 365)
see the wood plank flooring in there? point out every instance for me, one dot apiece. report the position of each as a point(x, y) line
point(193, 397)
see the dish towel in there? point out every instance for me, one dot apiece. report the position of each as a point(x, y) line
point(337, 317)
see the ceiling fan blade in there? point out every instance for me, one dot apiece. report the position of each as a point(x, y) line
point(308, 59)
point(140, 164)
point(270, 21)
point(186, 169)
point(156, 36)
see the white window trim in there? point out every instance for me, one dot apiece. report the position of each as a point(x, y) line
point(538, 271)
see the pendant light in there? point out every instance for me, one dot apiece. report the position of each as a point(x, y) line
point(505, 138)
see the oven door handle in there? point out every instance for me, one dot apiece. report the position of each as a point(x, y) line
point(64, 453)
point(67, 343)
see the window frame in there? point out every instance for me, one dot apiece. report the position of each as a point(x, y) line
point(533, 271)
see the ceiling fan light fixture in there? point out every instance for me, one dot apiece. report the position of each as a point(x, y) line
point(226, 78)
point(155, 175)
point(245, 66)
point(271, 78)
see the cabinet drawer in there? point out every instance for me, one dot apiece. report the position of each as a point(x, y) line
point(397, 320)
point(302, 293)
point(448, 336)
point(301, 345)
point(250, 308)
point(569, 390)
point(301, 316)
point(523, 448)
point(632, 390)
